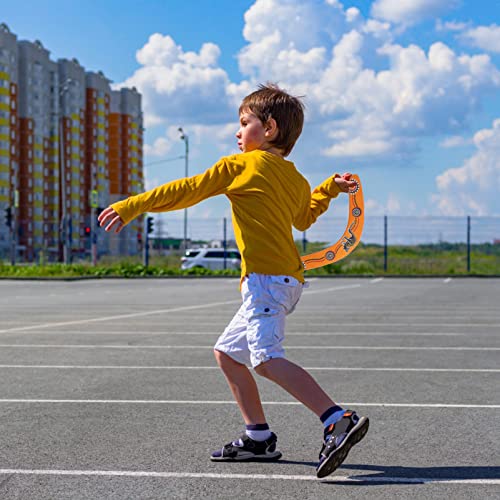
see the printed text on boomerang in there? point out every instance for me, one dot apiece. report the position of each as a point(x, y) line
point(351, 237)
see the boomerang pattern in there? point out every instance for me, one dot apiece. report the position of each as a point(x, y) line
point(351, 237)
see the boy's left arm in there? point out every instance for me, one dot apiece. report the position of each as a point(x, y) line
point(320, 199)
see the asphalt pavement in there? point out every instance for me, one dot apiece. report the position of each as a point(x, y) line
point(109, 390)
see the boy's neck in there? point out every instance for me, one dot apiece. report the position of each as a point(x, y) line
point(272, 150)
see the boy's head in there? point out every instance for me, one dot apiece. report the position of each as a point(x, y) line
point(272, 103)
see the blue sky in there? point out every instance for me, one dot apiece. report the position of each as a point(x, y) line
point(407, 94)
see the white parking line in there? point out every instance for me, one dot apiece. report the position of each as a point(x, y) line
point(447, 280)
point(377, 280)
point(198, 402)
point(293, 347)
point(333, 288)
point(149, 313)
point(309, 368)
point(216, 333)
point(118, 317)
point(382, 478)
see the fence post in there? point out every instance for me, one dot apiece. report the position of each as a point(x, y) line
point(224, 243)
point(468, 243)
point(304, 242)
point(145, 251)
point(385, 243)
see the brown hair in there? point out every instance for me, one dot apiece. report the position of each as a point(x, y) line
point(272, 102)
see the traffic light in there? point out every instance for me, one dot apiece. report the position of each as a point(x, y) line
point(8, 217)
point(149, 224)
point(88, 230)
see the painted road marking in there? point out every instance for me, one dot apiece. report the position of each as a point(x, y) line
point(217, 333)
point(196, 402)
point(149, 313)
point(282, 477)
point(310, 368)
point(296, 347)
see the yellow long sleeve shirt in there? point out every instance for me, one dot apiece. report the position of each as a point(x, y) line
point(268, 195)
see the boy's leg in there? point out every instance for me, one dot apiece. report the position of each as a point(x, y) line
point(275, 297)
point(243, 387)
point(297, 382)
point(258, 442)
point(342, 429)
point(232, 353)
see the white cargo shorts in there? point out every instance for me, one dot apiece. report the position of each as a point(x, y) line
point(256, 333)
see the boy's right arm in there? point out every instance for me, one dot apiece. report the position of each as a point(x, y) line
point(110, 218)
point(174, 195)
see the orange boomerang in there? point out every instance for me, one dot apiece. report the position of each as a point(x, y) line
point(352, 234)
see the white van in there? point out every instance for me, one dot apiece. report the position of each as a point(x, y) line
point(211, 258)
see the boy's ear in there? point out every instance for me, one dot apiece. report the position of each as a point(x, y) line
point(271, 128)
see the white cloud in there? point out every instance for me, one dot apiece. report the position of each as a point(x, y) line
point(164, 144)
point(287, 38)
point(391, 206)
point(180, 85)
point(483, 37)
point(454, 141)
point(352, 14)
point(407, 12)
point(473, 187)
point(366, 96)
point(450, 25)
point(419, 94)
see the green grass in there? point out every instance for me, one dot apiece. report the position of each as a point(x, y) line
point(368, 260)
point(440, 259)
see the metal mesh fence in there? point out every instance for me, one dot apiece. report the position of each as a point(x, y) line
point(444, 244)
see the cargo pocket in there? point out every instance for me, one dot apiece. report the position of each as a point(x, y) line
point(285, 291)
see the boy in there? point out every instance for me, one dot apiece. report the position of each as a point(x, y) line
point(268, 195)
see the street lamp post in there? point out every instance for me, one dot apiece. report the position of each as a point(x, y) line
point(184, 137)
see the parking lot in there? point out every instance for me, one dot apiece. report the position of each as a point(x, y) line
point(109, 389)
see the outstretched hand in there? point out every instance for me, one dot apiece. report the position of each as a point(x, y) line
point(111, 220)
point(344, 182)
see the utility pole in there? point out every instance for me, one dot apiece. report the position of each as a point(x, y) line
point(148, 230)
point(94, 201)
point(14, 228)
point(184, 137)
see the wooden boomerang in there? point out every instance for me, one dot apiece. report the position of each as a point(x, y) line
point(352, 234)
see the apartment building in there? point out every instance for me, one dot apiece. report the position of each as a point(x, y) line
point(38, 160)
point(125, 162)
point(9, 138)
point(58, 125)
point(96, 179)
point(73, 196)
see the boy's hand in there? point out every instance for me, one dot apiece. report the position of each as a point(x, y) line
point(110, 218)
point(344, 182)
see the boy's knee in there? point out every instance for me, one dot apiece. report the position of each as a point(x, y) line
point(220, 357)
point(263, 369)
point(223, 360)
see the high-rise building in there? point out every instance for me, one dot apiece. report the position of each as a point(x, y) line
point(125, 161)
point(9, 140)
point(69, 146)
point(73, 199)
point(96, 179)
point(39, 162)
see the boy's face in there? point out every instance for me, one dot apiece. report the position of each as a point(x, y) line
point(252, 133)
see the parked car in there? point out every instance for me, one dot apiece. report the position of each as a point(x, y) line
point(211, 258)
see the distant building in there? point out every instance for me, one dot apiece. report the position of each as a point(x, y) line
point(125, 162)
point(9, 130)
point(69, 146)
